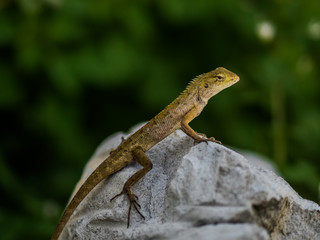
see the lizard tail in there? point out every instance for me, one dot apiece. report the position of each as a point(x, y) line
point(87, 186)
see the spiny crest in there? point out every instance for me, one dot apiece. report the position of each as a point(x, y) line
point(191, 83)
point(186, 91)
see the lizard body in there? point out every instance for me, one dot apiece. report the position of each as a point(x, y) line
point(176, 115)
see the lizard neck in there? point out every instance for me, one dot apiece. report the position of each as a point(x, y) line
point(182, 104)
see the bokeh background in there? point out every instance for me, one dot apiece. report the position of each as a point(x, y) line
point(74, 72)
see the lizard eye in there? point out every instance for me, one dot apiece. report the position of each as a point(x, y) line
point(220, 78)
point(206, 85)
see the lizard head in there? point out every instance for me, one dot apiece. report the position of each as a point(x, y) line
point(215, 81)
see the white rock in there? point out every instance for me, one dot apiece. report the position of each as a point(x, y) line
point(203, 191)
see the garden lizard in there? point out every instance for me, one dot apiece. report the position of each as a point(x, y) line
point(176, 115)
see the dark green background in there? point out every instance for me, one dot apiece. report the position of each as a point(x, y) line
point(74, 72)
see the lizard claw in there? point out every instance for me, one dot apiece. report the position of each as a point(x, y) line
point(206, 140)
point(137, 204)
point(118, 195)
point(133, 202)
point(212, 139)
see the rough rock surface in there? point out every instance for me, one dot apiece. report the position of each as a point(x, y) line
point(203, 191)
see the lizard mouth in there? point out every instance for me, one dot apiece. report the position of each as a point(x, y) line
point(236, 79)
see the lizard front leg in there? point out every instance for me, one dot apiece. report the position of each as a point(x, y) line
point(140, 157)
point(190, 132)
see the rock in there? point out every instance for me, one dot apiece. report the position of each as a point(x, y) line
point(202, 191)
point(258, 160)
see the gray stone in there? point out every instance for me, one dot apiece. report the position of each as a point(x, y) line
point(194, 191)
point(258, 160)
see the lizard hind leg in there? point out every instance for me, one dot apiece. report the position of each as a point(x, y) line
point(140, 157)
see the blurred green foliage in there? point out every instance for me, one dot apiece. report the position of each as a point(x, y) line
point(73, 72)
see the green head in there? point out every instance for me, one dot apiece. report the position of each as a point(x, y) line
point(209, 84)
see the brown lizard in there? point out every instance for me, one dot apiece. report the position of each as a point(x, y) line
point(176, 115)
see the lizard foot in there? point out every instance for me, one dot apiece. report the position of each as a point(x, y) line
point(114, 150)
point(133, 202)
point(206, 140)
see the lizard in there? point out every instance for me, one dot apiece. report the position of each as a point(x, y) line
point(177, 115)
